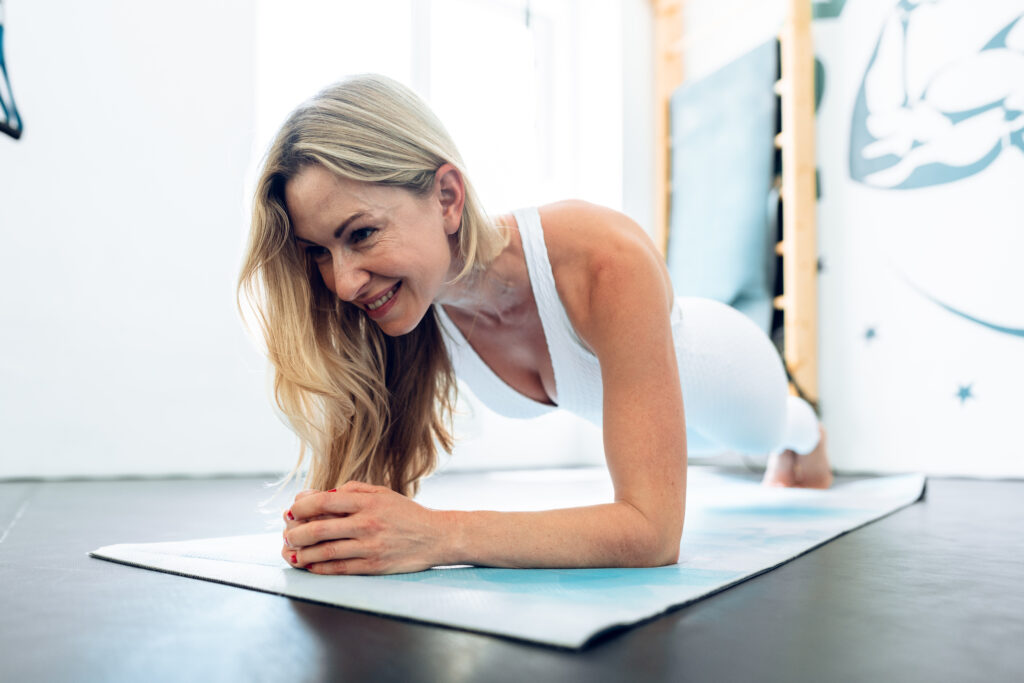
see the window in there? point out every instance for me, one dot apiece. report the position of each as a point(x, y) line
point(532, 93)
point(531, 90)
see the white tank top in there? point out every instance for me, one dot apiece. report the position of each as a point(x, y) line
point(734, 385)
point(577, 370)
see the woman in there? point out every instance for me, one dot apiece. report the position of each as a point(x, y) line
point(376, 275)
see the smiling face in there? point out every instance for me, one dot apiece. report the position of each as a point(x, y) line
point(382, 248)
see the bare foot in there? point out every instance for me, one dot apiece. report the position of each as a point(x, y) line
point(805, 471)
point(780, 470)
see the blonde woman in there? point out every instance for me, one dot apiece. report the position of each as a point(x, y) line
point(376, 277)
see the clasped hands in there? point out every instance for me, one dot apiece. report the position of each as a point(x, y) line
point(362, 529)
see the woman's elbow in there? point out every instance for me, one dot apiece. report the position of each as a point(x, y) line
point(668, 552)
point(655, 536)
point(661, 547)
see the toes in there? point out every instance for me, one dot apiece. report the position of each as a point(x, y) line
point(781, 470)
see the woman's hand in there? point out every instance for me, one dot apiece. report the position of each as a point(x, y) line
point(362, 529)
point(290, 524)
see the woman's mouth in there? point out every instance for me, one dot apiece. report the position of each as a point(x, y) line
point(383, 303)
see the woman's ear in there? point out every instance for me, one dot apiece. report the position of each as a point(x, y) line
point(452, 194)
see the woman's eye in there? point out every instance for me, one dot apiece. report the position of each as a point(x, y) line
point(317, 253)
point(361, 234)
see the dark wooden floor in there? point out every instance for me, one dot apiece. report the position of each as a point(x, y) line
point(934, 592)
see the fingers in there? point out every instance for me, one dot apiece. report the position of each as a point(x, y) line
point(324, 504)
point(289, 525)
point(289, 514)
point(320, 530)
point(348, 499)
point(357, 529)
point(334, 554)
point(357, 565)
point(288, 517)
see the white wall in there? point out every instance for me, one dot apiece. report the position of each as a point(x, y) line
point(716, 32)
point(122, 214)
point(636, 22)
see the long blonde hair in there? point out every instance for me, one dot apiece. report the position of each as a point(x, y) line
point(366, 406)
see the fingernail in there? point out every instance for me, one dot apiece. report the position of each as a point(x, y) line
point(307, 566)
point(333, 491)
point(290, 516)
point(294, 560)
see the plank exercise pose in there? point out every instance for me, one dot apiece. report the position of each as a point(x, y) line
point(377, 278)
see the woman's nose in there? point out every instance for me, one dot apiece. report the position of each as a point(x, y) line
point(349, 279)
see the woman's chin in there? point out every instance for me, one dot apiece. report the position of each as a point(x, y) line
point(398, 327)
point(392, 332)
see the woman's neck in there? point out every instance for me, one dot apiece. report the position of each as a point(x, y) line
point(497, 293)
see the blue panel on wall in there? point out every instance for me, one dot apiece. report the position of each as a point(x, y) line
point(722, 218)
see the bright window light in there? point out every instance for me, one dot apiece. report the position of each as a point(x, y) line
point(509, 78)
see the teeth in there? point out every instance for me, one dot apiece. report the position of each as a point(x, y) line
point(381, 301)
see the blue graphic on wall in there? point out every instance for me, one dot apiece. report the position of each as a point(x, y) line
point(10, 121)
point(827, 9)
point(1012, 331)
point(915, 126)
point(938, 104)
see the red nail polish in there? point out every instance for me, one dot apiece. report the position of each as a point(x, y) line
point(290, 516)
point(333, 491)
point(294, 560)
point(307, 567)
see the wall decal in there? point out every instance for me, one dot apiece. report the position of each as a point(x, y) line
point(945, 121)
point(920, 142)
point(827, 9)
point(10, 120)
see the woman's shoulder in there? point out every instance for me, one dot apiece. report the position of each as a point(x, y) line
point(594, 238)
point(595, 251)
point(579, 221)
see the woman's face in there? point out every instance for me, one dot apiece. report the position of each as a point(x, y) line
point(382, 248)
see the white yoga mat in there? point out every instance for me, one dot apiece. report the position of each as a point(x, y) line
point(735, 529)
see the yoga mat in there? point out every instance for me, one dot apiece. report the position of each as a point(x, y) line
point(735, 529)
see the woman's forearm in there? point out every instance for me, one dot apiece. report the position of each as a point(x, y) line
point(609, 535)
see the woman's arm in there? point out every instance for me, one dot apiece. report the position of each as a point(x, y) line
point(366, 529)
point(613, 285)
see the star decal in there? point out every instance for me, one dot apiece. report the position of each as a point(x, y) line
point(964, 392)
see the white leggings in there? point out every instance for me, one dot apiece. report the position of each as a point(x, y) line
point(735, 392)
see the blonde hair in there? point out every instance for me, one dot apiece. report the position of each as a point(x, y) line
point(366, 406)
